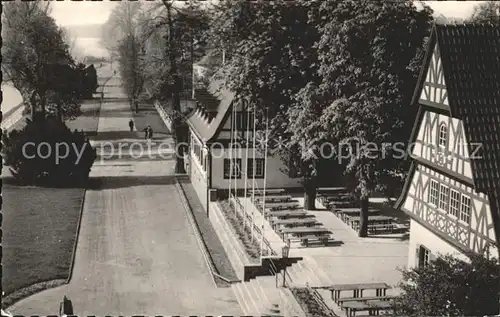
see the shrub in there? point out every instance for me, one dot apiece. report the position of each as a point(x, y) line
point(451, 287)
point(47, 152)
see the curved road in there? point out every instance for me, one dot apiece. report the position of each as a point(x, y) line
point(136, 253)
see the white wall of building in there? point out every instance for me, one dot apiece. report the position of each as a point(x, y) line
point(419, 235)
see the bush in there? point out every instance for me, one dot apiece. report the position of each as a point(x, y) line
point(451, 287)
point(46, 152)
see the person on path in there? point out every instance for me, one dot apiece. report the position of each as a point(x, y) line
point(131, 125)
point(146, 132)
point(150, 132)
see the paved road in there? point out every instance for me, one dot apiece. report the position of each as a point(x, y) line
point(137, 253)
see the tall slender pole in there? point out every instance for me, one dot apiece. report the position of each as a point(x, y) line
point(253, 173)
point(264, 194)
point(245, 133)
point(231, 161)
point(236, 167)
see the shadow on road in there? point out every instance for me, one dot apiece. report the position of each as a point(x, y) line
point(115, 136)
point(115, 182)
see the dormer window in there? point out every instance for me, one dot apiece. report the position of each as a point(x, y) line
point(443, 135)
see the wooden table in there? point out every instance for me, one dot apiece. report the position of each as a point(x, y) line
point(352, 212)
point(354, 220)
point(293, 222)
point(302, 231)
point(381, 289)
point(288, 214)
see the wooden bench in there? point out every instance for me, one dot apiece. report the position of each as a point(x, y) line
point(381, 228)
point(281, 206)
point(274, 198)
point(290, 222)
point(373, 308)
point(363, 299)
point(288, 214)
point(267, 191)
point(323, 238)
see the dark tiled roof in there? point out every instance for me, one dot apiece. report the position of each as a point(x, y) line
point(470, 55)
point(210, 112)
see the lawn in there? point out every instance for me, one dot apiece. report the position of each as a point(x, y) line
point(40, 226)
point(39, 232)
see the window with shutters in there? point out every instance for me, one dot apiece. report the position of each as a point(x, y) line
point(455, 203)
point(434, 193)
point(424, 256)
point(444, 198)
point(236, 168)
point(258, 164)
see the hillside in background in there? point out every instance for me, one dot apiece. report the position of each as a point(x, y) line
point(85, 30)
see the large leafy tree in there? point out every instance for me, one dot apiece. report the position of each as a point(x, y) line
point(370, 54)
point(451, 287)
point(33, 51)
point(271, 56)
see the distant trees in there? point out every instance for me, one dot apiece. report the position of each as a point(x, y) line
point(36, 58)
point(155, 45)
point(485, 12)
point(451, 287)
point(122, 39)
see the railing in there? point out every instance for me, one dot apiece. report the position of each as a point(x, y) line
point(321, 302)
point(239, 207)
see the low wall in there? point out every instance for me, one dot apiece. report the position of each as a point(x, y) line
point(12, 117)
point(164, 115)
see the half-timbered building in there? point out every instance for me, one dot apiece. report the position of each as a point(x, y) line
point(452, 191)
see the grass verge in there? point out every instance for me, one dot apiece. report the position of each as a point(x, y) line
point(209, 236)
point(309, 303)
point(40, 229)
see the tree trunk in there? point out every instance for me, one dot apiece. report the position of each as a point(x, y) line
point(310, 199)
point(59, 113)
point(310, 195)
point(176, 98)
point(363, 221)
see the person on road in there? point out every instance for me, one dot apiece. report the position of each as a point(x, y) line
point(150, 132)
point(131, 125)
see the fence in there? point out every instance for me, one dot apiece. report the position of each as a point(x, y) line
point(164, 115)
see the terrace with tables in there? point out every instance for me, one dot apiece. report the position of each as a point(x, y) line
point(347, 278)
point(289, 220)
point(346, 208)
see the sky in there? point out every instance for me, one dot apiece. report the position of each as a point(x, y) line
point(90, 12)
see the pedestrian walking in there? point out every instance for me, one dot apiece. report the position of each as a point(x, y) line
point(131, 125)
point(146, 132)
point(150, 132)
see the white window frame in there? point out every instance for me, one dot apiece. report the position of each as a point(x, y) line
point(444, 198)
point(433, 196)
point(465, 209)
point(455, 203)
point(443, 136)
